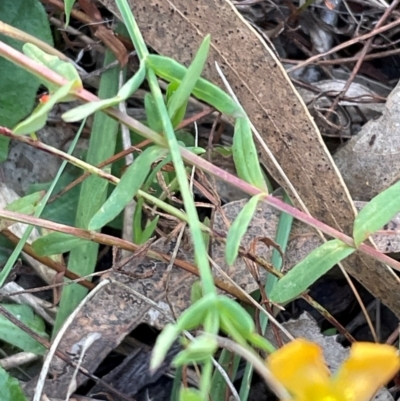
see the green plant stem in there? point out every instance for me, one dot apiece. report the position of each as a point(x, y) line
point(172, 143)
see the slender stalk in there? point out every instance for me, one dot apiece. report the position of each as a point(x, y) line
point(172, 143)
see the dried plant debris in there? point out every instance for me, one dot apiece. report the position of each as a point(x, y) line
point(360, 103)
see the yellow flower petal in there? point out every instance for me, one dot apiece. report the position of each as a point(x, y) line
point(369, 367)
point(301, 369)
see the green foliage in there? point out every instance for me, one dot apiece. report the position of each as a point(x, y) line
point(197, 351)
point(376, 213)
point(172, 71)
point(18, 87)
point(309, 270)
point(56, 243)
point(210, 312)
point(181, 111)
point(153, 118)
point(62, 210)
point(15, 336)
point(190, 394)
point(142, 235)
point(232, 311)
point(239, 228)
point(63, 68)
point(38, 118)
point(93, 193)
point(27, 205)
point(68, 4)
point(245, 155)
point(18, 248)
point(85, 110)
point(178, 95)
point(128, 186)
point(230, 316)
point(10, 388)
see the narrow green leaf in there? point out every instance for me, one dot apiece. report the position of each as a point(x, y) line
point(140, 235)
point(305, 273)
point(18, 87)
point(137, 221)
point(133, 84)
point(26, 204)
point(260, 342)
point(56, 243)
point(172, 71)
point(80, 112)
point(237, 314)
point(245, 155)
point(378, 212)
point(231, 330)
point(190, 394)
point(93, 193)
point(196, 291)
point(65, 69)
point(230, 363)
point(176, 384)
point(181, 96)
point(68, 4)
point(85, 110)
point(195, 315)
point(149, 230)
point(10, 388)
point(180, 113)
point(128, 186)
point(153, 118)
point(239, 228)
point(224, 151)
point(13, 335)
point(200, 349)
point(38, 118)
point(164, 341)
point(282, 239)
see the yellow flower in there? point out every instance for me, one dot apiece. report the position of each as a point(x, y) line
point(300, 367)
